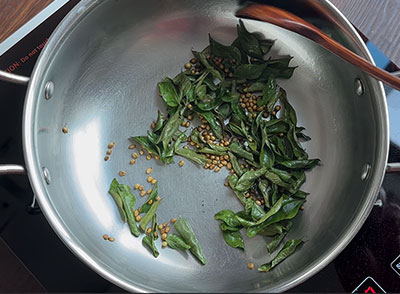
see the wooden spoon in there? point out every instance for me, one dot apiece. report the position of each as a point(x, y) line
point(289, 21)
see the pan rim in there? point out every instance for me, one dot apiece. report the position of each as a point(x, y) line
point(38, 184)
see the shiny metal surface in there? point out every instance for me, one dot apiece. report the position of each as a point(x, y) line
point(105, 76)
point(13, 78)
point(12, 169)
point(393, 168)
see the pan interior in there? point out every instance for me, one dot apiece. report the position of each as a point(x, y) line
point(105, 74)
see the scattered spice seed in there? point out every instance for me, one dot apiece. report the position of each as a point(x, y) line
point(109, 151)
point(154, 181)
point(136, 186)
point(141, 188)
point(181, 163)
point(164, 236)
point(158, 198)
point(132, 162)
point(157, 157)
point(160, 227)
point(302, 207)
point(164, 244)
point(111, 145)
point(148, 157)
point(106, 158)
point(155, 234)
point(149, 179)
point(150, 202)
point(138, 218)
point(148, 231)
point(122, 173)
point(188, 65)
point(250, 265)
point(142, 193)
point(165, 224)
point(149, 191)
point(167, 229)
point(136, 213)
point(173, 220)
point(65, 130)
point(111, 239)
point(141, 152)
point(105, 236)
point(132, 146)
point(149, 170)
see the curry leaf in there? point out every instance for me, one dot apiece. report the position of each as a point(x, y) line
point(287, 250)
point(233, 239)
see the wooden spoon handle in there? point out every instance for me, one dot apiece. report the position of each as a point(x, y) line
point(298, 25)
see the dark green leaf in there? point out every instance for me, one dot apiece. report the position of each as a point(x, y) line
point(235, 164)
point(274, 178)
point(227, 216)
point(235, 148)
point(233, 239)
point(148, 241)
point(145, 143)
point(263, 187)
point(287, 250)
point(177, 243)
point(269, 94)
point(115, 193)
point(288, 210)
point(203, 60)
point(256, 211)
point(192, 155)
point(277, 240)
point(159, 122)
point(149, 215)
point(265, 45)
point(248, 178)
point(186, 231)
point(170, 128)
point(250, 71)
point(214, 124)
point(182, 138)
point(201, 91)
point(207, 150)
point(146, 206)
point(220, 50)
point(248, 42)
point(300, 164)
point(300, 194)
point(225, 227)
point(168, 92)
point(225, 110)
point(274, 209)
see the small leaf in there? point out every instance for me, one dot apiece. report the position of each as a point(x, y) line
point(168, 92)
point(233, 239)
point(287, 250)
point(220, 50)
point(176, 242)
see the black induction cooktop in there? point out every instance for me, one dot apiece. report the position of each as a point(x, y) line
point(369, 264)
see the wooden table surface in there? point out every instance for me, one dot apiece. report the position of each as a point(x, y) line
point(377, 19)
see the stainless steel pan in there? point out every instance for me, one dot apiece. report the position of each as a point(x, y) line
point(97, 76)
